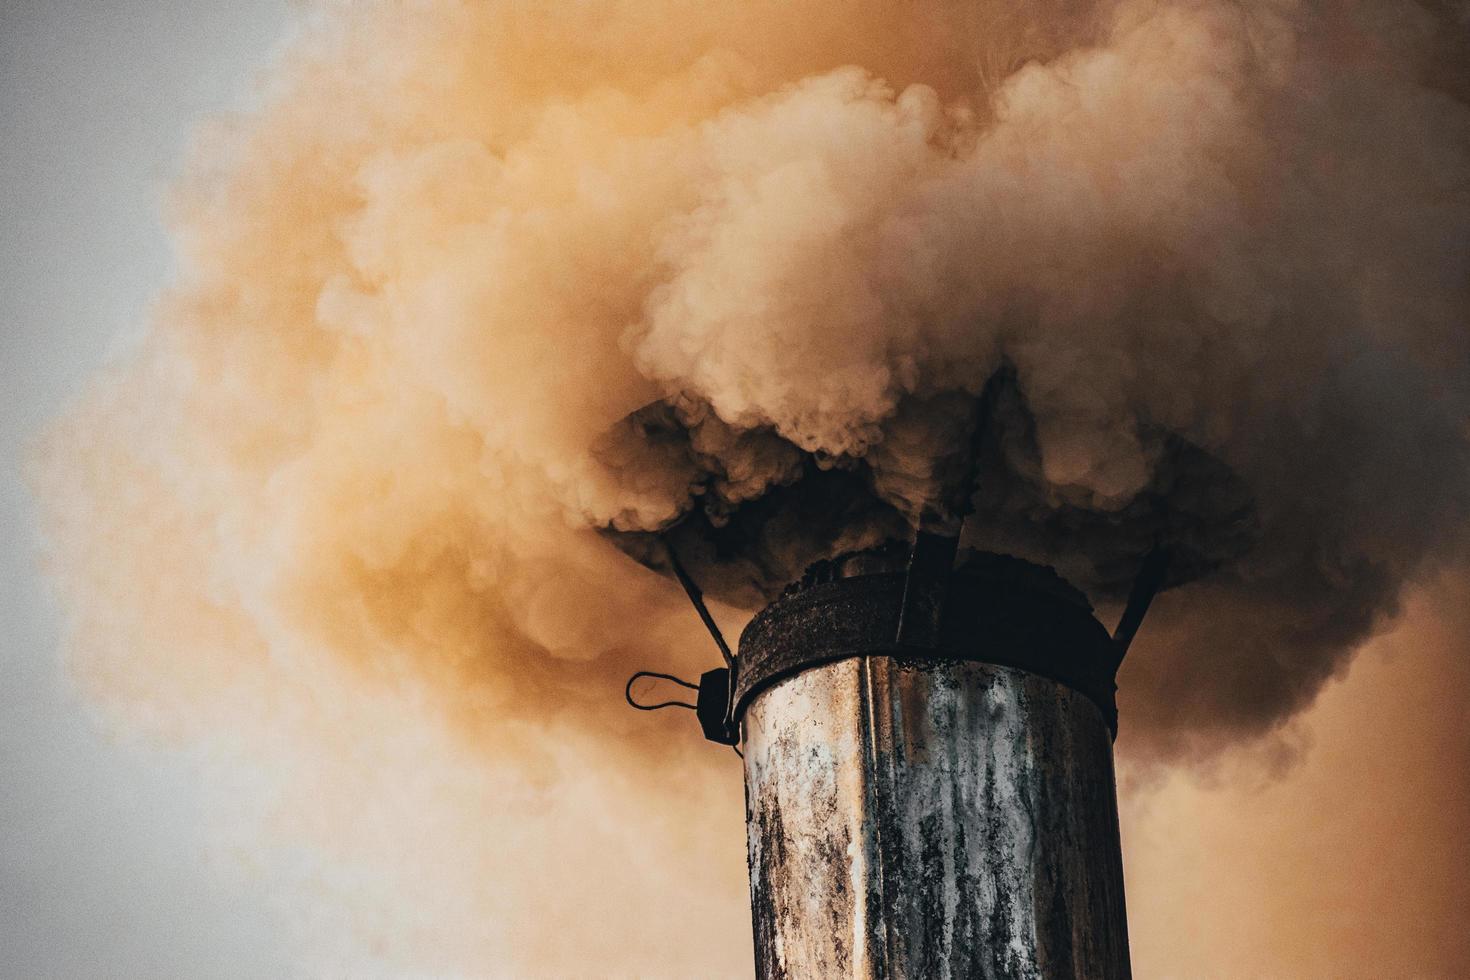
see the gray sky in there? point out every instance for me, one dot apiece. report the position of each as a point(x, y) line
point(102, 849)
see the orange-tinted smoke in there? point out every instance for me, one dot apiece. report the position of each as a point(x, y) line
point(1338, 858)
point(333, 518)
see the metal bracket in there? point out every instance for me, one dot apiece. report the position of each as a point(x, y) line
point(713, 708)
point(715, 705)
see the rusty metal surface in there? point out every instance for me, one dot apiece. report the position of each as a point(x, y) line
point(932, 820)
point(997, 610)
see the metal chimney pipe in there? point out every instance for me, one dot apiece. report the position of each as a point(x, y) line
point(935, 808)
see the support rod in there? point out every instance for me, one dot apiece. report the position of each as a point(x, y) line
point(1145, 587)
point(691, 589)
point(937, 538)
point(716, 702)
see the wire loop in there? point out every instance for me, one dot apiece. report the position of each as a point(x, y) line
point(628, 691)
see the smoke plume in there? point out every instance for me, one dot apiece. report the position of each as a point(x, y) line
point(365, 472)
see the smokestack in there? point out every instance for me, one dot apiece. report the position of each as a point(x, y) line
point(931, 804)
point(927, 740)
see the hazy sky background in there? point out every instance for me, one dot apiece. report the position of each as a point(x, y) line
point(106, 863)
point(104, 870)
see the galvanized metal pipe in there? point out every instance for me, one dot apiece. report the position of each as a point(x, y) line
point(923, 812)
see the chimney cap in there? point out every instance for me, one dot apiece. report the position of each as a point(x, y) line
point(999, 610)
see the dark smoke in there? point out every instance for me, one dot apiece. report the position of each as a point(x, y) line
point(759, 510)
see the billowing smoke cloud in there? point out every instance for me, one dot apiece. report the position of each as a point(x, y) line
point(372, 441)
point(1338, 869)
